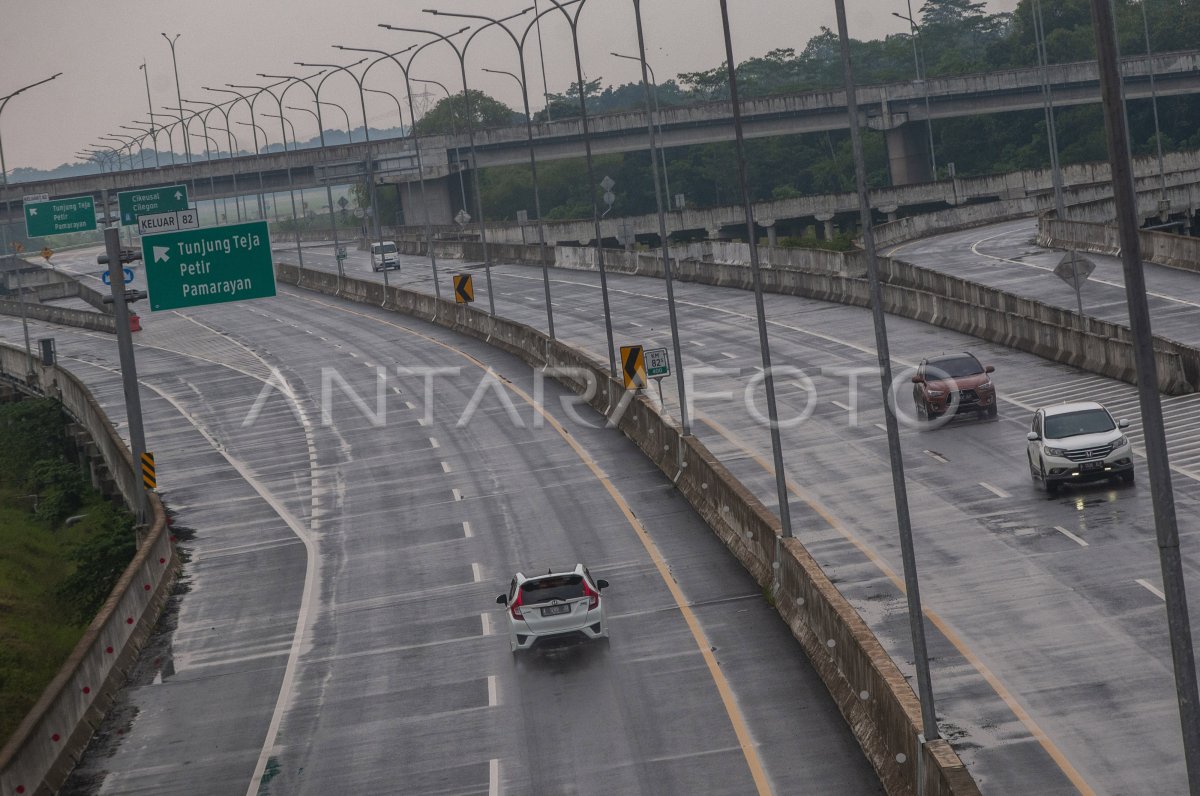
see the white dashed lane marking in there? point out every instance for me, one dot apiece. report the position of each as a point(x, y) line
point(1150, 587)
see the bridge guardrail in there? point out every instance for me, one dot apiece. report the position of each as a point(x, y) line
point(43, 750)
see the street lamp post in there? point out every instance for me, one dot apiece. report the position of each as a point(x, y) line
point(153, 137)
point(785, 512)
point(916, 615)
point(150, 106)
point(914, 32)
point(372, 190)
point(461, 54)
point(187, 134)
point(4, 169)
point(3, 103)
point(254, 128)
point(662, 149)
point(316, 92)
point(523, 83)
point(374, 204)
point(259, 91)
point(405, 68)
point(1162, 175)
point(329, 192)
point(1162, 495)
point(213, 106)
point(680, 381)
point(462, 191)
point(573, 23)
point(187, 147)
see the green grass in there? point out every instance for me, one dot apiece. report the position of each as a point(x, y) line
point(37, 631)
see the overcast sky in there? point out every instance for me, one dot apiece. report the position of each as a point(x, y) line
point(99, 46)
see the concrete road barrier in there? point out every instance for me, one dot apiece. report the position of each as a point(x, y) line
point(48, 742)
point(866, 684)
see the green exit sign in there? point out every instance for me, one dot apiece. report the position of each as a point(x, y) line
point(208, 266)
point(148, 201)
point(59, 216)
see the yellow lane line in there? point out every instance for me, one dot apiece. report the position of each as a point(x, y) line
point(943, 627)
point(745, 740)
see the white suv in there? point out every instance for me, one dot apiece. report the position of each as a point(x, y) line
point(1075, 442)
point(557, 604)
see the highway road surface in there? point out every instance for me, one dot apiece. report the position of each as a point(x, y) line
point(1048, 629)
point(336, 629)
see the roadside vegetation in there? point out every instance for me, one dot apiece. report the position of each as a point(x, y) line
point(62, 547)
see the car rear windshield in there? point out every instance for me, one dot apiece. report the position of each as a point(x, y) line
point(557, 587)
point(1085, 421)
point(953, 368)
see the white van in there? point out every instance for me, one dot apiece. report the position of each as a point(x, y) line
point(383, 255)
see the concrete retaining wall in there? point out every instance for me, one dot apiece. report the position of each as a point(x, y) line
point(943, 300)
point(64, 316)
point(45, 747)
point(865, 682)
point(1177, 251)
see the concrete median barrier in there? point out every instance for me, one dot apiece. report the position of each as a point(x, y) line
point(866, 684)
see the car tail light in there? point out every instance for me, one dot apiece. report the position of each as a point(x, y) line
point(516, 607)
point(593, 597)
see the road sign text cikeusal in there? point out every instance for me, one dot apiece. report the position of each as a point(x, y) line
point(147, 201)
point(208, 266)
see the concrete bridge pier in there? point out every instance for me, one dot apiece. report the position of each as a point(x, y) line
point(827, 220)
point(908, 153)
point(438, 198)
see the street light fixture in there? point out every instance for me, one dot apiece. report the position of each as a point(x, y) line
point(405, 68)
point(1162, 175)
point(461, 54)
point(662, 149)
point(187, 147)
point(259, 91)
point(573, 24)
point(316, 92)
point(3, 102)
point(914, 32)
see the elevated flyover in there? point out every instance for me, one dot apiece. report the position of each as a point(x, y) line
point(898, 109)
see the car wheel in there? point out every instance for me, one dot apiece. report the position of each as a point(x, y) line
point(1127, 477)
point(1047, 484)
point(919, 408)
point(1033, 471)
point(993, 411)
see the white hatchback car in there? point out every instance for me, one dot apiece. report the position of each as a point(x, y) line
point(1075, 442)
point(557, 604)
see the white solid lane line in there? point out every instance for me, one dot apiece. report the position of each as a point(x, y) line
point(467, 533)
point(476, 572)
point(995, 490)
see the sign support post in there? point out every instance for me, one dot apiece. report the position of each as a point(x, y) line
point(133, 400)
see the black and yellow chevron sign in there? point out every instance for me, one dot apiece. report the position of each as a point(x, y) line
point(149, 478)
point(633, 367)
point(464, 291)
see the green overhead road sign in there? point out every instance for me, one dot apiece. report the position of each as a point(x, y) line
point(57, 216)
point(193, 267)
point(145, 201)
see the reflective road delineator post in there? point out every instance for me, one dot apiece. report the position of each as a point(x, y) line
point(149, 476)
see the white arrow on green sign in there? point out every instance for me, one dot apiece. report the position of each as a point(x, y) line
point(190, 268)
point(59, 216)
point(145, 201)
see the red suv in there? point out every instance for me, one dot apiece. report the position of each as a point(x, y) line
point(953, 383)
